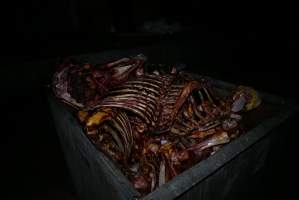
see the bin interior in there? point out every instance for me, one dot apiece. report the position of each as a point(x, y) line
point(250, 120)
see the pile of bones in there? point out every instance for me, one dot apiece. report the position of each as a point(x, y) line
point(153, 124)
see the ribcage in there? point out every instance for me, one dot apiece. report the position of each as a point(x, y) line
point(156, 99)
point(143, 96)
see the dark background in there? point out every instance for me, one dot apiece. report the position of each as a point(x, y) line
point(252, 42)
